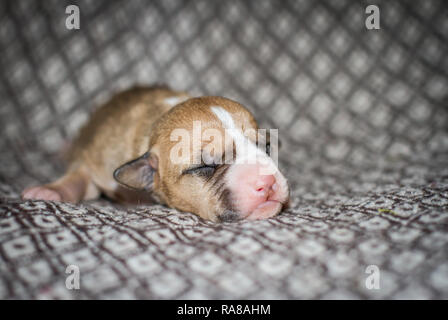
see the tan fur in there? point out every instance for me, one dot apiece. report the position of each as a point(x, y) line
point(138, 121)
point(118, 132)
point(202, 201)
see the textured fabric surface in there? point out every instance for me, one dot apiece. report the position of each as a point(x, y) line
point(320, 248)
point(362, 116)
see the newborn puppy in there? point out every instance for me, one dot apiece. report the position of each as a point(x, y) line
point(191, 154)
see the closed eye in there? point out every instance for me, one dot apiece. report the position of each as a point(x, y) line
point(268, 148)
point(202, 170)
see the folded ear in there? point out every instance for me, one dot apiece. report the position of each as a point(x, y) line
point(138, 173)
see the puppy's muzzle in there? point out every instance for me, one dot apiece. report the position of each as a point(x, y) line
point(252, 194)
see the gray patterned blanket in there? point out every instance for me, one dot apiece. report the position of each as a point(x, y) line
point(362, 116)
point(394, 219)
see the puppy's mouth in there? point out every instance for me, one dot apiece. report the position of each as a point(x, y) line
point(265, 210)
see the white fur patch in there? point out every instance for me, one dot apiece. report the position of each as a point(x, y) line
point(246, 149)
point(224, 116)
point(175, 100)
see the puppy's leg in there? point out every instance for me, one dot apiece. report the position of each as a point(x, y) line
point(74, 186)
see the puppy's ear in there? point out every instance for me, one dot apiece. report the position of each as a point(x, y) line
point(138, 173)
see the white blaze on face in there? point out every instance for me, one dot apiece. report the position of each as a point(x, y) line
point(255, 181)
point(246, 151)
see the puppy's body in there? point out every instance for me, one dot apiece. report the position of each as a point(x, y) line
point(118, 132)
point(133, 132)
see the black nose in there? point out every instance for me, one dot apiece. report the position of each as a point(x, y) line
point(229, 216)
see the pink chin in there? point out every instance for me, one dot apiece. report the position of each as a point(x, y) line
point(265, 210)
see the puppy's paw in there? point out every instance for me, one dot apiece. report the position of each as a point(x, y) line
point(41, 193)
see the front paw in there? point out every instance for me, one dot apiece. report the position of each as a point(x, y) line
point(41, 193)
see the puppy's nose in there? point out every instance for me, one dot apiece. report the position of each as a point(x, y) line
point(255, 188)
point(264, 184)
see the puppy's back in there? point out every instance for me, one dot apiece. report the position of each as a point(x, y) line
point(118, 131)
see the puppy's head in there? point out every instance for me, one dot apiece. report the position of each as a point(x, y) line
point(207, 157)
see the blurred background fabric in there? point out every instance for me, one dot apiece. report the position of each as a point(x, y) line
point(362, 117)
